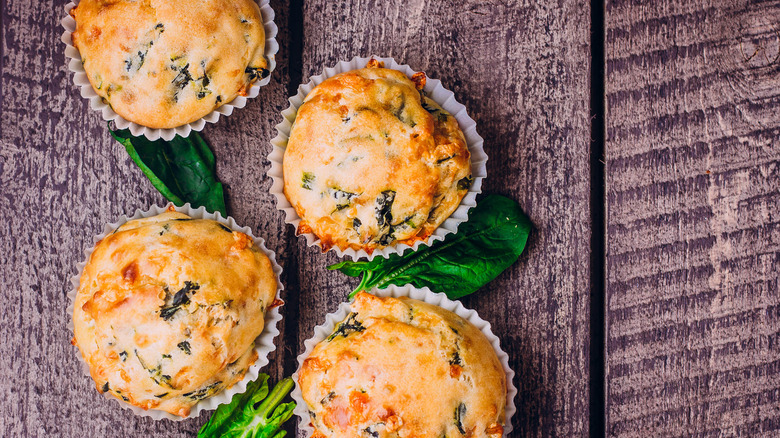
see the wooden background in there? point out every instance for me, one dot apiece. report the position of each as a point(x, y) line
point(693, 218)
point(646, 303)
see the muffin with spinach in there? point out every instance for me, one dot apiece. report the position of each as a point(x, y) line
point(168, 309)
point(399, 367)
point(165, 63)
point(372, 161)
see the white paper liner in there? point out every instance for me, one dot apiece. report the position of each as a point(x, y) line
point(321, 332)
point(435, 91)
point(264, 344)
point(98, 104)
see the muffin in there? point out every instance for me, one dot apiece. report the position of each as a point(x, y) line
point(398, 367)
point(168, 309)
point(163, 63)
point(371, 161)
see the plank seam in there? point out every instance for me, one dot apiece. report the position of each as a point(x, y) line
point(2, 62)
point(598, 330)
point(295, 57)
point(291, 328)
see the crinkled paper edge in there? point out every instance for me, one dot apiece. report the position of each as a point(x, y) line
point(264, 344)
point(435, 91)
point(96, 102)
point(321, 332)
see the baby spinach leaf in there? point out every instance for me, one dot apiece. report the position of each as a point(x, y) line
point(254, 413)
point(182, 169)
point(484, 246)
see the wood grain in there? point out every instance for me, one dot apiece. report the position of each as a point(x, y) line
point(693, 232)
point(522, 72)
point(62, 177)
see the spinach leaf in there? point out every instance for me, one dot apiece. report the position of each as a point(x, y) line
point(182, 169)
point(347, 327)
point(255, 413)
point(205, 392)
point(460, 411)
point(484, 246)
point(185, 347)
point(182, 298)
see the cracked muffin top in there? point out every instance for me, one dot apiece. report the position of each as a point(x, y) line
point(168, 309)
point(371, 161)
point(399, 367)
point(164, 63)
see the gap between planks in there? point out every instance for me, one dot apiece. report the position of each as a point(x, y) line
point(598, 331)
point(292, 297)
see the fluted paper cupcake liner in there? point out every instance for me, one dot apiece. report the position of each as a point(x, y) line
point(97, 103)
point(435, 91)
point(321, 332)
point(264, 344)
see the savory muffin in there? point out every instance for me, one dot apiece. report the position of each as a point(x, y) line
point(165, 63)
point(371, 161)
point(398, 367)
point(168, 308)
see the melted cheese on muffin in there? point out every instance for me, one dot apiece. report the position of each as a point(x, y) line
point(163, 63)
point(168, 309)
point(371, 161)
point(404, 368)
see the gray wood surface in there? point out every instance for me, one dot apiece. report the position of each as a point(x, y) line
point(522, 71)
point(693, 231)
point(61, 178)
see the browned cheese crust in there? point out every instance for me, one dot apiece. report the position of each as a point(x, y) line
point(165, 63)
point(168, 309)
point(371, 161)
point(403, 368)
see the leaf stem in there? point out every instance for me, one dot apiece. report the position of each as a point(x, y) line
point(275, 397)
point(365, 281)
point(491, 241)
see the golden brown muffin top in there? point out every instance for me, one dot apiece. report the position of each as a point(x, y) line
point(168, 309)
point(165, 63)
point(398, 367)
point(372, 161)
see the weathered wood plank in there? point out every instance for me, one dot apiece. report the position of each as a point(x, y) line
point(61, 178)
point(693, 189)
point(526, 88)
point(522, 71)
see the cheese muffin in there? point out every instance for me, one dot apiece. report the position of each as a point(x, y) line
point(398, 367)
point(168, 309)
point(372, 161)
point(166, 63)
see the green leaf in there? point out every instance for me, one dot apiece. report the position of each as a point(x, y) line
point(253, 414)
point(484, 246)
point(182, 169)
